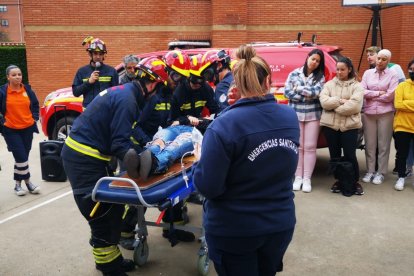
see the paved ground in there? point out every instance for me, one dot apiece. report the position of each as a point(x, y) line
point(335, 235)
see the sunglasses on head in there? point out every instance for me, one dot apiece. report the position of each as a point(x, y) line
point(196, 80)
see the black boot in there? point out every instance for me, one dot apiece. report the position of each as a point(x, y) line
point(147, 164)
point(125, 266)
point(132, 163)
point(181, 235)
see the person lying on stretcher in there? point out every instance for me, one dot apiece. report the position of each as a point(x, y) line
point(169, 144)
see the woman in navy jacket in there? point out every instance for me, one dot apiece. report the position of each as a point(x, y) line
point(246, 169)
point(19, 108)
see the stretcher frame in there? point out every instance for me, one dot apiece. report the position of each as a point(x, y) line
point(141, 249)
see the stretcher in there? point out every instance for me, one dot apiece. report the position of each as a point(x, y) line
point(160, 191)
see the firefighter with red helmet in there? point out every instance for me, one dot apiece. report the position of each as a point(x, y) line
point(178, 67)
point(156, 109)
point(218, 71)
point(188, 101)
point(96, 76)
point(103, 130)
point(189, 98)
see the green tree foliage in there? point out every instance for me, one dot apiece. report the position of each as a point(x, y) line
point(12, 55)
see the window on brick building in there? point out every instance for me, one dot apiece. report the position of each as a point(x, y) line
point(3, 8)
point(5, 22)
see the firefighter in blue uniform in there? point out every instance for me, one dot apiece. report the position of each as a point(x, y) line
point(219, 72)
point(189, 99)
point(155, 112)
point(174, 69)
point(96, 76)
point(101, 131)
point(157, 104)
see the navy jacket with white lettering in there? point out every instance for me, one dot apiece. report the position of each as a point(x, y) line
point(248, 161)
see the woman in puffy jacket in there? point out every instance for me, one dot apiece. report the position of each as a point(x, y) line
point(341, 100)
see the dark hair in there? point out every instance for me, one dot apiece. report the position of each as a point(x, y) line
point(251, 72)
point(11, 67)
point(319, 72)
point(347, 61)
point(410, 63)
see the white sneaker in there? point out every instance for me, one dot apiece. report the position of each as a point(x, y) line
point(306, 185)
point(378, 179)
point(368, 177)
point(399, 185)
point(297, 183)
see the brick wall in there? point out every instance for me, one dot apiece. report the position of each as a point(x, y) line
point(54, 30)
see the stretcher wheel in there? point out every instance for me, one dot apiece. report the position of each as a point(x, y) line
point(141, 253)
point(203, 264)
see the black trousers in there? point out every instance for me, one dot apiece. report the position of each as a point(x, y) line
point(402, 145)
point(347, 142)
point(249, 256)
point(83, 172)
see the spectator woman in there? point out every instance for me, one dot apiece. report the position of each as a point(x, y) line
point(302, 88)
point(341, 100)
point(20, 109)
point(242, 140)
point(404, 124)
point(379, 84)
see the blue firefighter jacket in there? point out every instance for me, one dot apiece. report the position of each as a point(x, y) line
point(248, 161)
point(222, 90)
point(107, 122)
point(154, 114)
point(189, 102)
point(108, 77)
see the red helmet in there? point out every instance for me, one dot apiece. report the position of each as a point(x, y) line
point(153, 69)
point(196, 65)
point(178, 61)
point(211, 59)
point(96, 45)
point(213, 56)
point(196, 69)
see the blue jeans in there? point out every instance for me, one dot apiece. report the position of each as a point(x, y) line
point(177, 141)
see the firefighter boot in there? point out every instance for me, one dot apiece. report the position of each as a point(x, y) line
point(131, 163)
point(147, 162)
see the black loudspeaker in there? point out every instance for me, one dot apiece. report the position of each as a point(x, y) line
point(51, 162)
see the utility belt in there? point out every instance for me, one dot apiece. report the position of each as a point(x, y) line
point(87, 150)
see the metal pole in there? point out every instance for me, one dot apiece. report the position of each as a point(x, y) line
point(375, 16)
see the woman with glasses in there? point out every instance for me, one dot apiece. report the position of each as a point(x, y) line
point(404, 124)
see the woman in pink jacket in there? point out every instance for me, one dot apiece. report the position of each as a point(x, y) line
point(379, 84)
